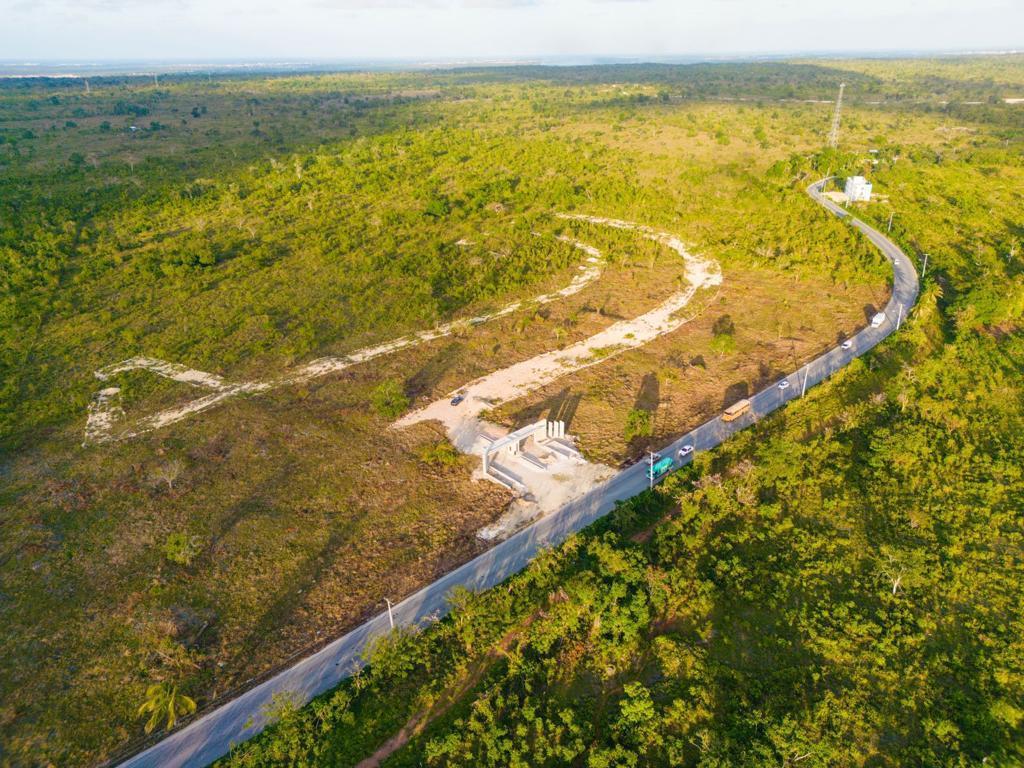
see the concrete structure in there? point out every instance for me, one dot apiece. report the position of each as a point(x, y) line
point(857, 189)
point(514, 444)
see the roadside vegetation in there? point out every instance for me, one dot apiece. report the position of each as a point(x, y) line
point(775, 600)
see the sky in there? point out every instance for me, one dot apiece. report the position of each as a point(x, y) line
point(450, 30)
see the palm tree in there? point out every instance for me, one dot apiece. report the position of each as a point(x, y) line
point(163, 700)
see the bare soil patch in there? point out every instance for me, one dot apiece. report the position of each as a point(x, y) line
point(779, 323)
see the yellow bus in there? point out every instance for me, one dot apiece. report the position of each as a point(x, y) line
point(736, 410)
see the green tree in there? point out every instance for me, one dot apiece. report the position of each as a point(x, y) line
point(164, 701)
point(637, 723)
point(388, 399)
point(639, 423)
point(439, 454)
point(180, 548)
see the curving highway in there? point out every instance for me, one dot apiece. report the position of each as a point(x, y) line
point(212, 735)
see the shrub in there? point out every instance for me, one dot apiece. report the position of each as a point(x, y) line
point(181, 548)
point(163, 702)
point(441, 453)
point(388, 399)
point(724, 341)
point(639, 423)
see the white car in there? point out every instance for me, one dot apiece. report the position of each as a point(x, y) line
point(846, 344)
point(686, 450)
point(784, 384)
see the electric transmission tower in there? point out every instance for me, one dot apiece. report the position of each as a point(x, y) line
point(833, 135)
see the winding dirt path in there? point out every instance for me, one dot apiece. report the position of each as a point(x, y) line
point(106, 414)
point(462, 422)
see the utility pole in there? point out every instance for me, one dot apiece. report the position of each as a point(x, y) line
point(803, 387)
point(833, 135)
point(86, 87)
point(924, 267)
point(391, 617)
point(899, 318)
point(650, 471)
point(891, 214)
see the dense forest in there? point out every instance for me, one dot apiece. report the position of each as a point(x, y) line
point(841, 585)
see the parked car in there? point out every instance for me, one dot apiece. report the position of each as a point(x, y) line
point(458, 399)
point(846, 344)
point(878, 319)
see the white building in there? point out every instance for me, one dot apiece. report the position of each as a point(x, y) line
point(857, 188)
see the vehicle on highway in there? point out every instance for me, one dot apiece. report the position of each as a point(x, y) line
point(736, 410)
point(458, 399)
point(686, 450)
point(846, 344)
point(784, 384)
point(877, 320)
point(659, 467)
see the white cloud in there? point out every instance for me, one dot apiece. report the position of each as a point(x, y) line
point(446, 29)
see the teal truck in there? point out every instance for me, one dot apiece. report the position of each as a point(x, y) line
point(659, 467)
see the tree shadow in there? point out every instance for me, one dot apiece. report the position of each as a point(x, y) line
point(566, 412)
point(426, 379)
point(561, 406)
point(734, 392)
point(648, 397)
point(289, 601)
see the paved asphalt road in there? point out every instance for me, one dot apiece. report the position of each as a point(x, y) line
point(212, 735)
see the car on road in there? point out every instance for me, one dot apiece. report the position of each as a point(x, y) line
point(784, 384)
point(458, 398)
point(686, 450)
point(846, 344)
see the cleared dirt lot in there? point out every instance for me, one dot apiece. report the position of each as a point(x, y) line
point(778, 323)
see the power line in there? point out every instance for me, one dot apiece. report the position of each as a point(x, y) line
point(833, 135)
